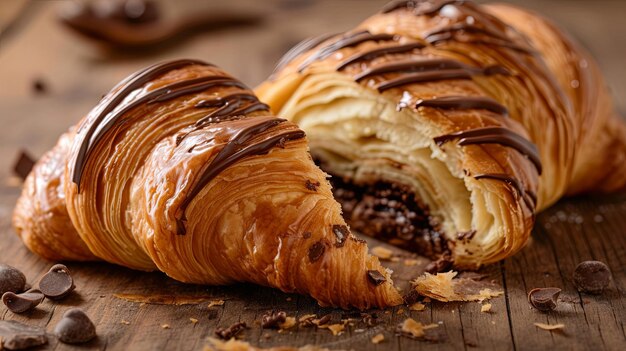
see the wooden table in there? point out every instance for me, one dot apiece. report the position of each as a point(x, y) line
point(76, 74)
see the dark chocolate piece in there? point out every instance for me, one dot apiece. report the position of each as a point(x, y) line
point(23, 302)
point(324, 319)
point(544, 299)
point(592, 277)
point(18, 336)
point(341, 233)
point(312, 185)
point(230, 332)
point(23, 165)
point(316, 251)
point(57, 283)
point(442, 264)
point(11, 279)
point(273, 320)
point(375, 277)
point(495, 135)
point(75, 327)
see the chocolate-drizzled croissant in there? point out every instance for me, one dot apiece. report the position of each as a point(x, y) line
point(181, 168)
point(447, 125)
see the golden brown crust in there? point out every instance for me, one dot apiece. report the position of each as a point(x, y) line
point(342, 92)
point(180, 168)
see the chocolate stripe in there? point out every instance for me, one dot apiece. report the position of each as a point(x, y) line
point(530, 198)
point(465, 27)
point(411, 66)
point(122, 90)
point(234, 151)
point(348, 41)
point(299, 49)
point(495, 135)
point(464, 102)
point(372, 54)
point(420, 77)
point(419, 7)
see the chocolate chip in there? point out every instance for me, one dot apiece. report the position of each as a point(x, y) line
point(23, 302)
point(230, 332)
point(341, 232)
point(312, 185)
point(316, 251)
point(75, 327)
point(11, 279)
point(544, 299)
point(443, 264)
point(375, 277)
point(57, 283)
point(23, 165)
point(17, 336)
point(273, 320)
point(592, 277)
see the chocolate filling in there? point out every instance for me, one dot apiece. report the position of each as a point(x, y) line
point(390, 212)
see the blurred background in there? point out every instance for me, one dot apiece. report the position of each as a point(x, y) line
point(58, 57)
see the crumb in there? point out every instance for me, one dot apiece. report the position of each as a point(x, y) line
point(193, 320)
point(414, 329)
point(230, 332)
point(336, 329)
point(359, 330)
point(410, 262)
point(378, 338)
point(273, 320)
point(266, 336)
point(125, 322)
point(289, 299)
point(216, 303)
point(549, 326)
point(307, 320)
point(289, 323)
point(165, 326)
point(382, 253)
point(417, 307)
point(443, 287)
point(387, 312)
point(493, 322)
point(400, 312)
point(485, 308)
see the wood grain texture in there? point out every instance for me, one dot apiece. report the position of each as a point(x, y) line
point(77, 73)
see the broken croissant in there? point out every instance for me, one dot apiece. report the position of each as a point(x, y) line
point(447, 125)
point(181, 168)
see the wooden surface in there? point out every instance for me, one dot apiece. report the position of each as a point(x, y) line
point(77, 73)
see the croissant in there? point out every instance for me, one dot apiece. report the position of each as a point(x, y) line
point(447, 125)
point(180, 168)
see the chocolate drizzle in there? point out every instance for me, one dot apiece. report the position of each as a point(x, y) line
point(300, 48)
point(105, 111)
point(372, 54)
point(421, 77)
point(464, 102)
point(419, 7)
point(495, 135)
point(529, 197)
point(344, 42)
point(235, 150)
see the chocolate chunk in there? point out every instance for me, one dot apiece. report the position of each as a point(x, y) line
point(11, 279)
point(312, 185)
point(316, 251)
point(324, 320)
point(443, 264)
point(23, 302)
point(592, 277)
point(375, 277)
point(57, 283)
point(544, 299)
point(23, 165)
point(273, 320)
point(39, 86)
point(342, 233)
point(17, 336)
point(75, 327)
point(230, 332)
